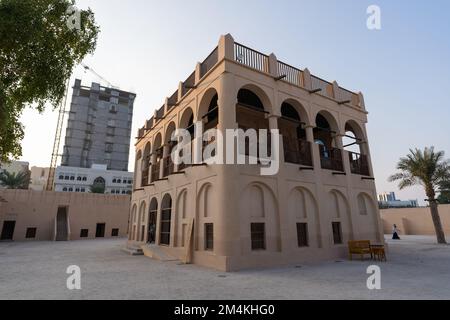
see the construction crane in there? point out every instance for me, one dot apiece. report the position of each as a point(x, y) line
point(87, 68)
point(56, 143)
point(59, 126)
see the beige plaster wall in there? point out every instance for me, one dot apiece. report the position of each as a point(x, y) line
point(38, 209)
point(414, 221)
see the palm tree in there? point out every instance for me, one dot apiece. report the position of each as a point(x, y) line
point(427, 168)
point(14, 180)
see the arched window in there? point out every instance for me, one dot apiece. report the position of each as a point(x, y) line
point(251, 114)
point(153, 212)
point(212, 117)
point(146, 164)
point(248, 98)
point(166, 217)
point(296, 148)
point(353, 142)
point(324, 135)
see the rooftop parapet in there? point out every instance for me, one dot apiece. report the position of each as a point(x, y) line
point(235, 52)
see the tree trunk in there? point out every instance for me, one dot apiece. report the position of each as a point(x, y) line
point(437, 222)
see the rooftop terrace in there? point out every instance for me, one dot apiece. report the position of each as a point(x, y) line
point(260, 62)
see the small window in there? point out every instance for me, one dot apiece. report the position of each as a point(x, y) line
point(70, 189)
point(64, 189)
point(119, 180)
point(114, 232)
point(114, 181)
point(78, 178)
point(209, 236)
point(84, 178)
point(83, 190)
point(84, 233)
point(337, 232)
point(258, 236)
point(61, 177)
point(124, 192)
point(72, 178)
point(112, 109)
point(31, 233)
point(77, 190)
point(302, 234)
point(66, 178)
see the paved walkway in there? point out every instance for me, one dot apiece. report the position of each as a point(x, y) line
point(417, 269)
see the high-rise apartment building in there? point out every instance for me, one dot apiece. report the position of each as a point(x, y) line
point(99, 127)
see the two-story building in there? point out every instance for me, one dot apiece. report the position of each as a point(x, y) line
point(230, 216)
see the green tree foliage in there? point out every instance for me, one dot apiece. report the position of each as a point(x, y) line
point(429, 169)
point(20, 180)
point(38, 51)
point(444, 196)
point(97, 188)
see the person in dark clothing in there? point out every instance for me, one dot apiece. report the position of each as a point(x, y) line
point(395, 233)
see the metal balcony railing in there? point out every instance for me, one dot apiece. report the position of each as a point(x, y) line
point(292, 74)
point(297, 151)
point(359, 163)
point(144, 180)
point(169, 166)
point(251, 58)
point(331, 159)
point(155, 171)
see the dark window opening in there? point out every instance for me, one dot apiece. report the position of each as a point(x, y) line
point(209, 236)
point(84, 233)
point(302, 234)
point(8, 230)
point(100, 230)
point(247, 97)
point(166, 215)
point(115, 232)
point(31, 233)
point(337, 232)
point(258, 236)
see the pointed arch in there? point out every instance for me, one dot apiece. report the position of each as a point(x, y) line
point(368, 217)
point(268, 223)
point(303, 208)
point(339, 212)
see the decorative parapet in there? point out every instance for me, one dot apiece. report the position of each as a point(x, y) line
point(230, 50)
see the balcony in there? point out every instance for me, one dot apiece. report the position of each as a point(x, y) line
point(359, 164)
point(331, 159)
point(169, 167)
point(184, 165)
point(265, 64)
point(155, 171)
point(144, 180)
point(297, 151)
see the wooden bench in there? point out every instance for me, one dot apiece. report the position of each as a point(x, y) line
point(360, 247)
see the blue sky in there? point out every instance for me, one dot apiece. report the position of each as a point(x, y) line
point(402, 69)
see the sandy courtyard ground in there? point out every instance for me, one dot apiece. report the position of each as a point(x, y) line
point(416, 269)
